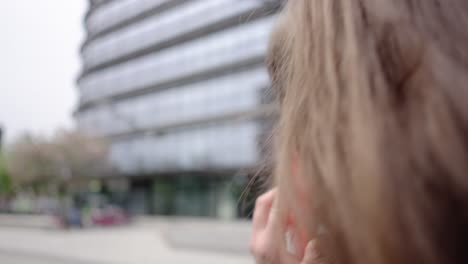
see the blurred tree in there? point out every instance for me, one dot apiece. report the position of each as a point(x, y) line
point(6, 186)
point(67, 155)
point(81, 155)
point(31, 159)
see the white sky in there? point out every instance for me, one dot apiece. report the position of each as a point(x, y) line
point(39, 63)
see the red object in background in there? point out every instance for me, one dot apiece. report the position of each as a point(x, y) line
point(60, 221)
point(110, 216)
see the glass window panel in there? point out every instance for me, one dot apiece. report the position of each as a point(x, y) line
point(217, 97)
point(168, 65)
point(160, 27)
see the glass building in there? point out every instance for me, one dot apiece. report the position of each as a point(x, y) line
point(180, 90)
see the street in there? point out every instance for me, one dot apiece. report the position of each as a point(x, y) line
point(141, 243)
point(22, 258)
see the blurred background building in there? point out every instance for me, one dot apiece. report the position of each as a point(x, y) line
point(180, 90)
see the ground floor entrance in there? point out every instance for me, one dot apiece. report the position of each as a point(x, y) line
point(195, 195)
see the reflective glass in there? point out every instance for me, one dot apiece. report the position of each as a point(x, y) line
point(114, 13)
point(192, 57)
point(217, 97)
point(222, 146)
point(162, 27)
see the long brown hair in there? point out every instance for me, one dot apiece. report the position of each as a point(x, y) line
point(374, 104)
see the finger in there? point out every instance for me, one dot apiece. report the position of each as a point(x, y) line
point(262, 210)
point(311, 254)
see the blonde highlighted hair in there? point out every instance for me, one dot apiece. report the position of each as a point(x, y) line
point(374, 105)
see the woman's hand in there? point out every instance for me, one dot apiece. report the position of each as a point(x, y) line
point(266, 246)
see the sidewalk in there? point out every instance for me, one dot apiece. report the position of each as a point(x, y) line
point(203, 234)
point(27, 221)
point(149, 240)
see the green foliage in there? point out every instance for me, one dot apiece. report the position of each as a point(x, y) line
point(6, 186)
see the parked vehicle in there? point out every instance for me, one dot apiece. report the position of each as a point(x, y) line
point(109, 216)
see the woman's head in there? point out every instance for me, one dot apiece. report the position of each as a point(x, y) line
point(374, 122)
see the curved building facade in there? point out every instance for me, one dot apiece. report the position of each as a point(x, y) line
point(179, 88)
